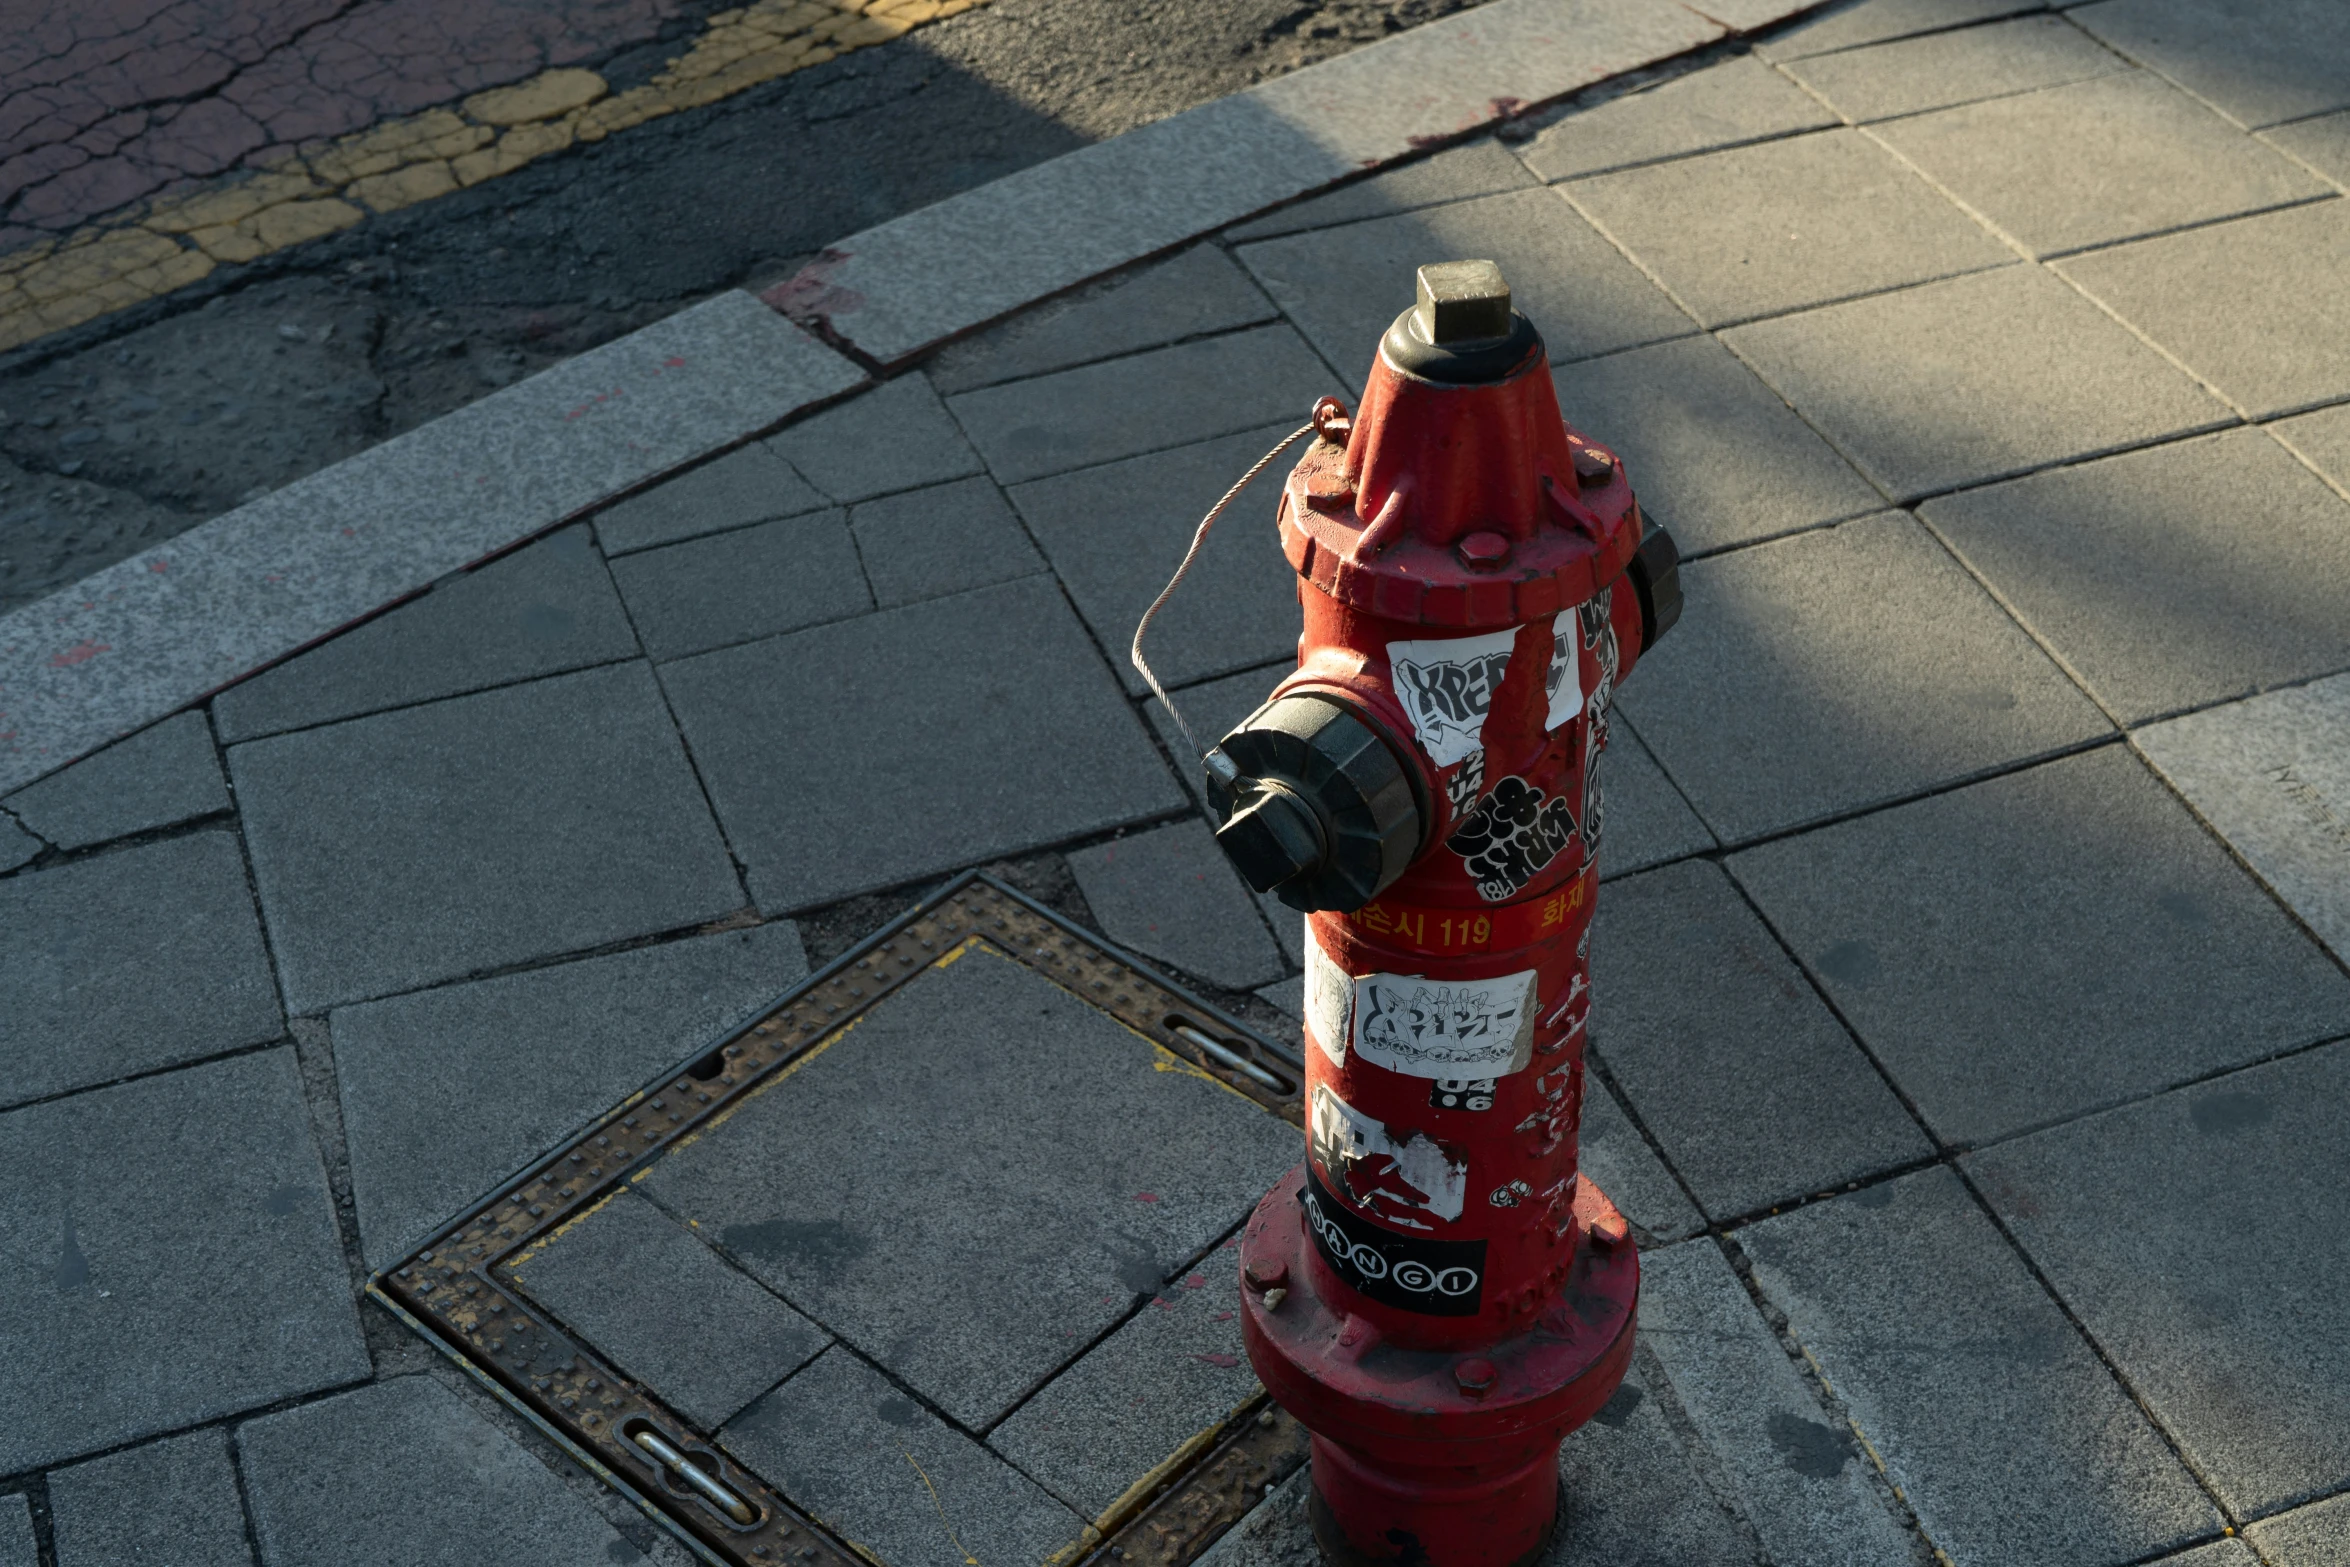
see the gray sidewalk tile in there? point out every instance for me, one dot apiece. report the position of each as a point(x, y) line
point(1756, 231)
point(1105, 1177)
point(645, 1291)
point(2141, 573)
point(1972, 379)
point(539, 611)
point(129, 1233)
point(169, 1504)
point(895, 436)
point(1632, 1497)
point(1753, 1089)
point(1289, 995)
point(2245, 1365)
point(881, 1470)
point(2254, 306)
point(2281, 61)
point(1144, 403)
point(747, 485)
point(1170, 894)
point(928, 543)
point(1115, 535)
point(2322, 439)
point(481, 831)
point(1194, 292)
point(1628, 1170)
point(913, 741)
point(1174, 1370)
point(405, 1474)
point(2272, 775)
point(1739, 100)
point(156, 778)
point(2015, 1447)
point(142, 958)
point(2323, 143)
point(1940, 70)
point(1803, 1482)
point(2043, 944)
point(1482, 168)
point(151, 634)
point(1714, 454)
point(2138, 156)
point(1344, 287)
point(447, 1092)
point(18, 1545)
point(752, 582)
point(1876, 21)
point(2313, 1536)
point(2219, 1553)
point(1647, 820)
point(16, 845)
point(1837, 670)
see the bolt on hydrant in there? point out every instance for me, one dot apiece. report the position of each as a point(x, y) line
point(1437, 1294)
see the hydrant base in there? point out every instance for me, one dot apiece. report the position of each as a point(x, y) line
point(1418, 1521)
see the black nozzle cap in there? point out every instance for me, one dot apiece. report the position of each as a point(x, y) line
point(1271, 839)
point(1656, 576)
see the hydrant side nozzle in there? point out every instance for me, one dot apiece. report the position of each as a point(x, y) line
point(1314, 803)
point(1655, 573)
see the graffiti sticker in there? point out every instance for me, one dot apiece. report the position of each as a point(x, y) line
point(1515, 832)
point(1564, 680)
point(1445, 1028)
point(1330, 1001)
point(1446, 688)
point(1410, 1272)
point(1409, 1180)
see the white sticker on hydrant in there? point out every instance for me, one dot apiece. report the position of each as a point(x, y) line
point(1445, 688)
point(1400, 1182)
point(1435, 1028)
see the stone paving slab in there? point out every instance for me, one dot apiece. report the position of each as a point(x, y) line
point(2249, 306)
point(447, 1092)
point(1191, 294)
point(542, 610)
point(2321, 439)
point(18, 1546)
point(1614, 1155)
point(2272, 774)
point(2294, 62)
point(749, 484)
point(143, 958)
point(1634, 1496)
point(1782, 225)
point(1876, 21)
point(1840, 669)
point(405, 1474)
point(2219, 1553)
point(1345, 286)
point(944, 734)
point(1802, 1482)
point(2140, 571)
point(751, 582)
point(1173, 1370)
point(16, 845)
point(928, 543)
point(2011, 1442)
point(1481, 168)
point(1104, 1174)
point(172, 1503)
point(644, 1290)
point(2322, 143)
point(1747, 1082)
point(159, 777)
point(1115, 535)
point(130, 1236)
point(437, 841)
point(1737, 101)
point(1972, 379)
point(2313, 1536)
point(1648, 821)
point(1145, 403)
point(2046, 943)
point(144, 637)
point(2140, 157)
point(1941, 70)
point(890, 1476)
point(895, 436)
point(2247, 1365)
point(1714, 454)
point(1170, 894)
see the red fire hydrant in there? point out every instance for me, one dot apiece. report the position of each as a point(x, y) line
point(1436, 1294)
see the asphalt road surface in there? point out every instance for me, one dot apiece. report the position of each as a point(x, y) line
point(123, 431)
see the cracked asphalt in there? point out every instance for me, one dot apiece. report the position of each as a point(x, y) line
point(122, 432)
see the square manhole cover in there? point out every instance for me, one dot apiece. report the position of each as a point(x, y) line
point(934, 1262)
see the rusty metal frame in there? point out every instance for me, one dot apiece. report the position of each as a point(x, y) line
point(452, 1290)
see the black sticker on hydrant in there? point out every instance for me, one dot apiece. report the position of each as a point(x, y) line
point(1512, 835)
point(1409, 1272)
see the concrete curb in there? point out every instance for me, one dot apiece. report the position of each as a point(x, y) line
point(148, 635)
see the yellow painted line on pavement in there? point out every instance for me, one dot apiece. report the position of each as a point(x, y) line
point(170, 243)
